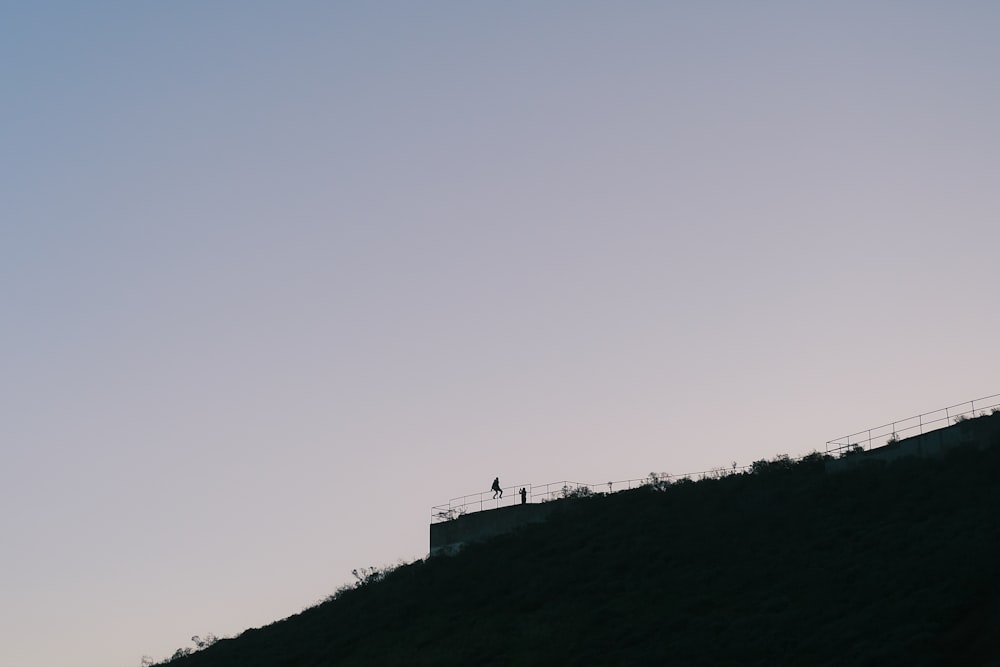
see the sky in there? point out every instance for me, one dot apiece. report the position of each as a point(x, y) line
point(278, 277)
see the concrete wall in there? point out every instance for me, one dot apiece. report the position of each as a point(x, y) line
point(479, 526)
point(980, 432)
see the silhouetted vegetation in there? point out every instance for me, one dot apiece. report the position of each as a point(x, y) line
point(578, 492)
point(883, 564)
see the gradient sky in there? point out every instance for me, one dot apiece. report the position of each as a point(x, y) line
point(277, 277)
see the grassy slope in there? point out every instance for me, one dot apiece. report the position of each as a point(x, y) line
point(884, 565)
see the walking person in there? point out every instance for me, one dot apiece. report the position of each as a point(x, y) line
point(496, 488)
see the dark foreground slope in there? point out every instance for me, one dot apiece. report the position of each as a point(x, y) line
point(883, 565)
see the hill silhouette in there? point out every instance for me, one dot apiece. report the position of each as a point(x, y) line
point(882, 564)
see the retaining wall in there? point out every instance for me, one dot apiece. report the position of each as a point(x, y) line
point(451, 535)
point(978, 432)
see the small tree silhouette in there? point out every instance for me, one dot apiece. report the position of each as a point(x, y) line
point(578, 492)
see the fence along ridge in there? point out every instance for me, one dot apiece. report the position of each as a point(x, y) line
point(902, 428)
point(477, 502)
point(895, 430)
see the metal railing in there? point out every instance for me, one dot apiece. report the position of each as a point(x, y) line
point(477, 502)
point(884, 434)
point(540, 493)
point(905, 428)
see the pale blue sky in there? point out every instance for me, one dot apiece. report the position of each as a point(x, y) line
point(278, 277)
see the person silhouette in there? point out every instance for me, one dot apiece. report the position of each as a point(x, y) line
point(524, 496)
point(496, 487)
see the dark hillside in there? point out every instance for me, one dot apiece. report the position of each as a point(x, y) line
point(886, 564)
